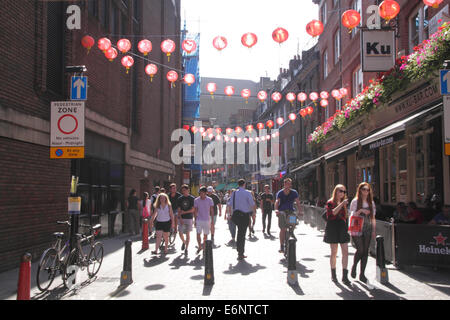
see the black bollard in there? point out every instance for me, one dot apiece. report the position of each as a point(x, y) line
point(209, 265)
point(125, 277)
point(382, 274)
point(292, 262)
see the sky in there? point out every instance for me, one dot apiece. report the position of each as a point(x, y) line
point(233, 18)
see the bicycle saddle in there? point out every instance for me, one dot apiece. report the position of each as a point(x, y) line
point(96, 227)
point(58, 235)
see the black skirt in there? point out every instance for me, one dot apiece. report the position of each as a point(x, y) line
point(336, 231)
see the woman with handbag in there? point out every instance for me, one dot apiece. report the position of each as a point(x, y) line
point(362, 226)
point(336, 230)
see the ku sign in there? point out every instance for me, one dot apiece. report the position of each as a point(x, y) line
point(378, 50)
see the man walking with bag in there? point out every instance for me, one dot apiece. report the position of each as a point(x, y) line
point(243, 206)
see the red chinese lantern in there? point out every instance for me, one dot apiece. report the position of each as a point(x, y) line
point(249, 128)
point(291, 97)
point(124, 45)
point(303, 112)
point(268, 137)
point(189, 79)
point(220, 43)
point(389, 9)
point(151, 69)
point(145, 46)
point(127, 62)
point(336, 94)
point(324, 95)
point(202, 130)
point(104, 44)
point(257, 139)
point(269, 124)
point(433, 3)
point(194, 129)
point(249, 39)
point(262, 96)
point(313, 96)
point(324, 103)
point(246, 94)
point(276, 96)
point(87, 42)
point(351, 19)
point(172, 76)
point(229, 90)
point(189, 45)
point(186, 127)
point(280, 35)
point(111, 54)
point(343, 92)
point(168, 46)
point(260, 125)
point(280, 121)
point(314, 28)
point(238, 129)
point(211, 87)
point(309, 110)
point(302, 97)
point(292, 117)
point(245, 140)
point(229, 130)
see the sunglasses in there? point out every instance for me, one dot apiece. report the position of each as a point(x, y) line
point(342, 191)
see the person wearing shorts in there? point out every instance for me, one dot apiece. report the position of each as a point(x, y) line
point(204, 210)
point(185, 216)
point(173, 197)
point(163, 215)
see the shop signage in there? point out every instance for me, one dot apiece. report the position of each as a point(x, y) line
point(447, 124)
point(381, 143)
point(378, 50)
point(419, 97)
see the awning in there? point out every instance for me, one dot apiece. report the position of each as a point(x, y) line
point(230, 186)
point(220, 186)
point(313, 163)
point(394, 128)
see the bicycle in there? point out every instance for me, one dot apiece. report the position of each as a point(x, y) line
point(291, 223)
point(77, 257)
point(53, 260)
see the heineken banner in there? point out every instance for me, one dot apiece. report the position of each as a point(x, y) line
point(423, 245)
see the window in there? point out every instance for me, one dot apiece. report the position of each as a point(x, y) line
point(356, 5)
point(337, 46)
point(55, 47)
point(325, 64)
point(389, 156)
point(324, 13)
point(418, 27)
point(357, 81)
point(115, 19)
point(104, 13)
point(92, 8)
point(425, 163)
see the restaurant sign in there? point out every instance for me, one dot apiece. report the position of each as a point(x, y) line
point(419, 97)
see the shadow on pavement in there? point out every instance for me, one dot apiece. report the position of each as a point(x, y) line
point(297, 289)
point(198, 277)
point(244, 268)
point(302, 270)
point(155, 287)
point(154, 261)
point(120, 292)
point(433, 277)
point(355, 293)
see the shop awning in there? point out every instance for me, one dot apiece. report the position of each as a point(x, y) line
point(341, 150)
point(314, 163)
point(230, 186)
point(394, 128)
point(220, 186)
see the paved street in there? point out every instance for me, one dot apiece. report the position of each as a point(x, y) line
point(261, 276)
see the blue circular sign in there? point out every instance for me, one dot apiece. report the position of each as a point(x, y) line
point(59, 152)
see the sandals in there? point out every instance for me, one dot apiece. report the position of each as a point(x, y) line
point(154, 252)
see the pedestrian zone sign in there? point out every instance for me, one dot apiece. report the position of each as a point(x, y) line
point(78, 88)
point(445, 82)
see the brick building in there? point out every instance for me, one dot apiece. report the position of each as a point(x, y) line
point(129, 119)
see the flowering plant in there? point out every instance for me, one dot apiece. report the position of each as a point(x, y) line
point(423, 63)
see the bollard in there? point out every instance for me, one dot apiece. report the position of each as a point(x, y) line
point(209, 265)
point(24, 283)
point(292, 263)
point(145, 235)
point(382, 274)
point(125, 277)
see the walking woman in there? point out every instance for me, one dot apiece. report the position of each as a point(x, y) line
point(363, 206)
point(336, 230)
point(133, 213)
point(163, 215)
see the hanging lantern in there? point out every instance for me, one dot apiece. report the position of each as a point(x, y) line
point(238, 130)
point(194, 129)
point(111, 54)
point(433, 3)
point(276, 96)
point(220, 43)
point(211, 87)
point(229, 90)
point(324, 95)
point(314, 28)
point(250, 140)
point(245, 140)
point(229, 130)
point(351, 19)
point(189, 46)
point(218, 130)
point(313, 96)
point(389, 9)
point(269, 124)
point(309, 110)
point(202, 130)
point(127, 62)
point(210, 136)
point(292, 117)
point(268, 137)
point(233, 139)
point(262, 95)
point(257, 139)
point(263, 138)
point(218, 137)
point(151, 69)
point(280, 121)
point(145, 46)
point(124, 45)
point(302, 97)
point(303, 112)
point(249, 128)
point(343, 92)
point(104, 44)
point(226, 138)
point(172, 76)
point(168, 46)
point(246, 94)
point(186, 127)
point(291, 97)
point(87, 42)
point(324, 103)
point(249, 39)
point(280, 35)
point(336, 94)
point(260, 125)
point(189, 79)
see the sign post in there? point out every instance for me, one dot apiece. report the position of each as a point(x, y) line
point(447, 124)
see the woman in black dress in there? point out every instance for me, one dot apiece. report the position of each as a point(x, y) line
point(336, 230)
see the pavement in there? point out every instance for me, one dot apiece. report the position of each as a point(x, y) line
point(262, 276)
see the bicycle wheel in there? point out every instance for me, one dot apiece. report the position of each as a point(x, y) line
point(95, 259)
point(72, 260)
point(48, 266)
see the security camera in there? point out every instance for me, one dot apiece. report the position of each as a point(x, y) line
point(76, 69)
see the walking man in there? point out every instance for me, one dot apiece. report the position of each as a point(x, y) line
point(185, 216)
point(217, 209)
point(173, 197)
point(243, 206)
point(203, 206)
point(266, 204)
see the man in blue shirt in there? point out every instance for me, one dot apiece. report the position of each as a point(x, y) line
point(284, 204)
point(243, 206)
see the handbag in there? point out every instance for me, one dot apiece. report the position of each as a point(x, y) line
point(356, 224)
